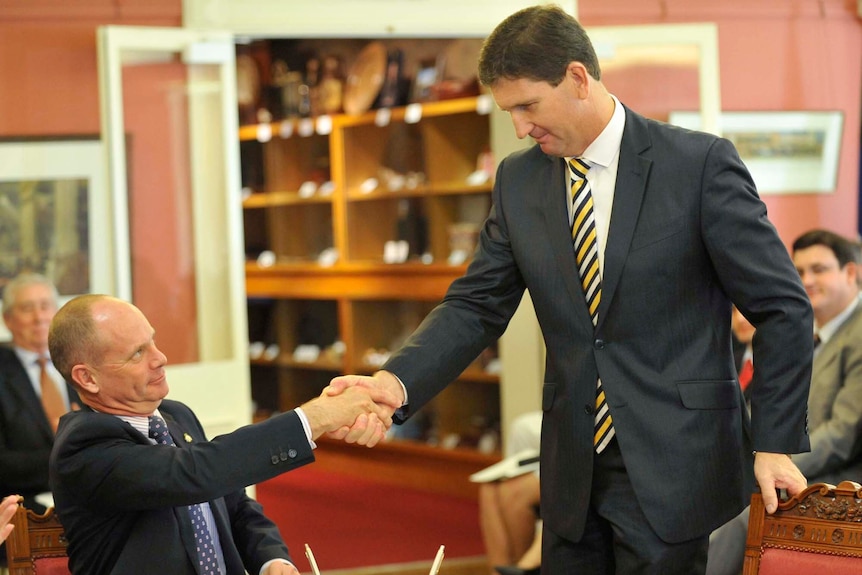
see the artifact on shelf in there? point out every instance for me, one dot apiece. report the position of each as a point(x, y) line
point(375, 357)
point(463, 237)
point(271, 352)
point(266, 259)
point(255, 349)
point(331, 85)
point(327, 257)
point(365, 78)
point(306, 353)
point(392, 91)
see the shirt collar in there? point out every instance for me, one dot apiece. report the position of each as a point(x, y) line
point(28, 357)
point(833, 325)
point(140, 422)
point(605, 148)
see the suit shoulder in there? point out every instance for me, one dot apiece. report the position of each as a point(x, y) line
point(8, 357)
point(852, 328)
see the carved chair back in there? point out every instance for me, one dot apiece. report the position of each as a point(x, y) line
point(36, 545)
point(816, 532)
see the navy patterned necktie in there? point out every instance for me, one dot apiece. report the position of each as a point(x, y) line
point(207, 560)
point(586, 249)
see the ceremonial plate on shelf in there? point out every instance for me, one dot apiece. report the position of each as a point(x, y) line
point(365, 78)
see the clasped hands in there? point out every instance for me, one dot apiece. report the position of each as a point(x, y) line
point(355, 408)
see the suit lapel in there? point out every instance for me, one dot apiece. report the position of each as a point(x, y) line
point(632, 174)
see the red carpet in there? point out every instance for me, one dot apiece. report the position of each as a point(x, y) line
point(351, 522)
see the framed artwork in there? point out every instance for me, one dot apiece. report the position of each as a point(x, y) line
point(55, 214)
point(786, 152)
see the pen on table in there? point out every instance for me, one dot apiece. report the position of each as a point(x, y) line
point(311, 561)
point(435, 567)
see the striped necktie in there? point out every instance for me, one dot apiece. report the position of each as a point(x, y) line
point(587, 257)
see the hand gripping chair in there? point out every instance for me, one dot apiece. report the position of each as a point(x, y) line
point(36, 545)
point(818, 532)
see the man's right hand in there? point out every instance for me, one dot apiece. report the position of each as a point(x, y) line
point(365, 412)
point(380, 381)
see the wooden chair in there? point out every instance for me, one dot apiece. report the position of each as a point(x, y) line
point(36, 545)
point(818, 532)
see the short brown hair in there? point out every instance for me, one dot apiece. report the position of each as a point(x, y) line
point(537, 43)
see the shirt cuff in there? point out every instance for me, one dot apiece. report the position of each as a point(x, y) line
point(305, 426)
point(403, 388)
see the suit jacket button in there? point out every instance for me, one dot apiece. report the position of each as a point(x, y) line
point(291, 453)
point(588, 409)
point(283, 456)
point(274, 459)
point(599, 344)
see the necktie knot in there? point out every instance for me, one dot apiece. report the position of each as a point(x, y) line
point(579, 167)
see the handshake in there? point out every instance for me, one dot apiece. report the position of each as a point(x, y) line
point(355, 408)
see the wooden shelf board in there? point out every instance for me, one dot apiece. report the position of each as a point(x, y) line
point(437, 189)
point(249, 132)
point(352, 281)
point(275, 199)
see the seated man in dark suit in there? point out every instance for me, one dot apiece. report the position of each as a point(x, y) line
point(32, 398)
point(138, 487)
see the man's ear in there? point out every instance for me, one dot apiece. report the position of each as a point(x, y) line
point(83, 376)
point(577, 73)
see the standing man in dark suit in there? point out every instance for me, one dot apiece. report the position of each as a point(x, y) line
point(30, 406)
point(632, 286)
point(138, 487)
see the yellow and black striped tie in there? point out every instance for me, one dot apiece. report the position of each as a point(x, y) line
point(587, 258)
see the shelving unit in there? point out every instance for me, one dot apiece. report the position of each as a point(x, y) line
point(355, 298)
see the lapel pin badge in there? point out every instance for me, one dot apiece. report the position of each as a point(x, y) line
point(187, 437)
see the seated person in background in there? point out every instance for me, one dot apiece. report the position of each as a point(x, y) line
point(138, 487)
point(508, 508)
point(827, 264)
point(7, 510)
point(30, 405)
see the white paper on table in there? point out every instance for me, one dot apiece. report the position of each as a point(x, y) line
point(521, 463)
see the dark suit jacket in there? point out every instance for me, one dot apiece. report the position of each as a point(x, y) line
point(688, 235)
point(122, 500)
point(25, 434)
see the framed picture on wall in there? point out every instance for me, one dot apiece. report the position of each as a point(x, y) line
point(55, 213)
point(786, 152)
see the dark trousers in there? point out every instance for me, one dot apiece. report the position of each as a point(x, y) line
point(618, 539)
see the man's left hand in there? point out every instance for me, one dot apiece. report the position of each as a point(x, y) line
point(777, 471)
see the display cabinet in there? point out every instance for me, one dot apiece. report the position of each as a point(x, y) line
point(355, 225)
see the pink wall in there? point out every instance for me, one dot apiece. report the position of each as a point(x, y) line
point(777, 55)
